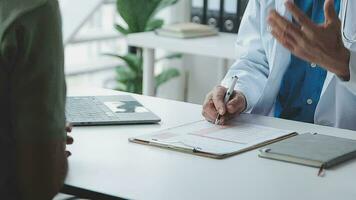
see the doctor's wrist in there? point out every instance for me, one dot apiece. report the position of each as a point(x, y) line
point(344, 64)
point(339, 64)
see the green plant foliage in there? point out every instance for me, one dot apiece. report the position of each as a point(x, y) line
point(164, 4)
point(129, 76)
point(133, 61)
point(139, 14)
point(170, 57)
point(166, 75)
point(121, 29)
point(154, 24)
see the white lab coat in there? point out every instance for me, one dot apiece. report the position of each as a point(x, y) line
point(262, 62)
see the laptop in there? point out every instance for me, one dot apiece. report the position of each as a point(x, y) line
point(107, 110)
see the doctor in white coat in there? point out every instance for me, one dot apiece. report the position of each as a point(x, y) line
point(267, 41)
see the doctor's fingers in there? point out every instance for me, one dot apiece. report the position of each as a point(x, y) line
point(209, 111)
point(292, 38)
point(208, 98)
point(302, 49)
point(298, 49)
point(287, 30)
point(226, 118)
point(237, 104)
point(330, 13)
point(218, 99)
point(307, 25)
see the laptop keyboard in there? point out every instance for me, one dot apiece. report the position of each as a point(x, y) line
point(87, 109)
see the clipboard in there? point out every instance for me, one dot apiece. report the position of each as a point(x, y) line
point(202, 138)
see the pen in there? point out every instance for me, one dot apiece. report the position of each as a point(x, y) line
point(228, 95)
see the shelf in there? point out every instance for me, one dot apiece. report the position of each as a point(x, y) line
point(220, 46)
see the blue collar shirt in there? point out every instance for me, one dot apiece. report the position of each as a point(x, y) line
point(303, 81)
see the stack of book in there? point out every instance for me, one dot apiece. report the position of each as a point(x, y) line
point(187, 30)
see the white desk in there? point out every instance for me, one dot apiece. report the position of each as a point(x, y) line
point(221, 46)
point(104, 161)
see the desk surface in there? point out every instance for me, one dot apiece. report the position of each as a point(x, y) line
point(104, 161)
point(220, 46)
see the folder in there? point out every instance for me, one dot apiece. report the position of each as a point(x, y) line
point(230, 18)
point(213, 14)
point(242, 8)
point(198, 14)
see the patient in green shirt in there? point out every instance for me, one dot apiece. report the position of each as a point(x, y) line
point(32, 100)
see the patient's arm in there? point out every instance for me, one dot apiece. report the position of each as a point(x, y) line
point(34, 52)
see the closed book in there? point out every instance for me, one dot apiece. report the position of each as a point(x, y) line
point(186, 30)
point(313, 150)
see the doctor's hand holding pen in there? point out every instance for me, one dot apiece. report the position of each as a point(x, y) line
point(217, 110)
point(317, 43)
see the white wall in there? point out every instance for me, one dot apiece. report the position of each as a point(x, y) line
point(201, 72)
point(177, 88)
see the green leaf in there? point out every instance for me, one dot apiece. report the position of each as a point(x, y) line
point(121, 86)
point(124, 74)
point(132, 61)
point(129, 76)
point(134, 87)
point(166, 75)
point(170, 57)
point(122, 30)
point(154, 24)
point(164, 4)
point(137, 61)
point(139, 17)
point(138, 13)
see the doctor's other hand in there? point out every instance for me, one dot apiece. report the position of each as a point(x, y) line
point(214, 105)
point(316, 43)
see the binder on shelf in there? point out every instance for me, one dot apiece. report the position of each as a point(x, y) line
point(198, 11)
point(242, 9)
point(230, 16)
point(214, 13)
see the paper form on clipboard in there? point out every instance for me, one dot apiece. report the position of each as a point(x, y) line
point(206, 139)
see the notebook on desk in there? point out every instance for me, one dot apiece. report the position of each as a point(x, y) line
point(214, 141)
point(313, 150)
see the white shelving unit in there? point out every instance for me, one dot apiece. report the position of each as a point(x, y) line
point(221, 46)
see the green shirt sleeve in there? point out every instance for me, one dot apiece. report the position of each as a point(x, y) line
point(33, 50)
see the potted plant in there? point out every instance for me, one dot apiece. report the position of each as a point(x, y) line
point(140, 16)
point(129, 74)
